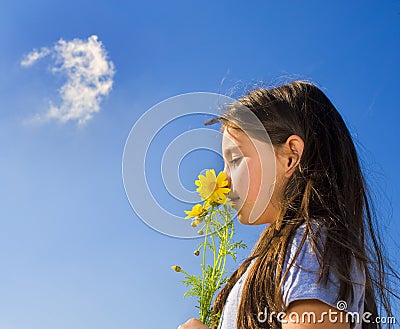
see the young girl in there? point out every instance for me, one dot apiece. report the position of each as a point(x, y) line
point(318, 264)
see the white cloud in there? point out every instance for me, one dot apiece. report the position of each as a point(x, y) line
point(89, 78)
point(34, 56)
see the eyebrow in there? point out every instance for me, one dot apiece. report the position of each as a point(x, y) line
point(232, 148)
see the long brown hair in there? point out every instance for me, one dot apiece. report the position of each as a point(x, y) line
point(328, 187)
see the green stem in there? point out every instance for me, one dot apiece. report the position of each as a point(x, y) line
point(201, 297)
point(218, 221)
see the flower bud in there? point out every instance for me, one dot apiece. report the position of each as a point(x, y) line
point(197, 252)
point(176, 268)
point(196, 222)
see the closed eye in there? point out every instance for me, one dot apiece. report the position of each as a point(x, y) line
point(235, 161)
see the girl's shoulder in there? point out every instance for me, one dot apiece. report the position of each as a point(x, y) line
point(302, 278)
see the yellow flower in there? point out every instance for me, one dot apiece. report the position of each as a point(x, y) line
point(197, 211)
point(212, 188)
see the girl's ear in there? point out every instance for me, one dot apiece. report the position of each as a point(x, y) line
point(294, 146)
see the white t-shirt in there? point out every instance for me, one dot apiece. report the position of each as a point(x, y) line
point(301, 283)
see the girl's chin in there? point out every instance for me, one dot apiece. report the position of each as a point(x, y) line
point(240, 217)
point(244, 219)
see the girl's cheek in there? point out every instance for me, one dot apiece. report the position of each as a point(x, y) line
point(250, 171)
point(242, 179)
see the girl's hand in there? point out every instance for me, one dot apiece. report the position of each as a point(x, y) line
point(193, 324)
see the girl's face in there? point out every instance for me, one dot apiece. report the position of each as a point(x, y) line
point(255, 177)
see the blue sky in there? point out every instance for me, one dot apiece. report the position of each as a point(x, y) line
point(73, 253)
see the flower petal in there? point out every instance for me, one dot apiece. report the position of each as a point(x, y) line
point(221, 179)
point(210, 175)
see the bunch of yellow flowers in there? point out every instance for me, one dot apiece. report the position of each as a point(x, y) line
point(215, 218)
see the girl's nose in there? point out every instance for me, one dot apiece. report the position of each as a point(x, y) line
point(228, 176)
point(229, 181)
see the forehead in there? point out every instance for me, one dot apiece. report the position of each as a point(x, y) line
point(234, 139)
